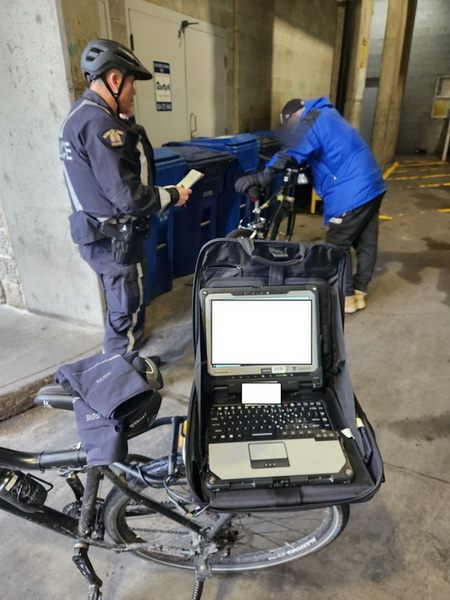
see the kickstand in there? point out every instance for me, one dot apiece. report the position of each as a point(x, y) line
point(84, 566)
point(202, 571)
point(198, 587)
point(85, 525)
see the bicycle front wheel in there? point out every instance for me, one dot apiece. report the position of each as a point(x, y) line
point(282, 226)
point(247, 541)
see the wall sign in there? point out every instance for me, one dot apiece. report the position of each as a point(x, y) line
point(441, 101)
point(163, 88)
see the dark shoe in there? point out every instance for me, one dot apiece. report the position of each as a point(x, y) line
point(157, 360)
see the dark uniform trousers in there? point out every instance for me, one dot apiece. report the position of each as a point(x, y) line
point(357, 229)
point(124, 294)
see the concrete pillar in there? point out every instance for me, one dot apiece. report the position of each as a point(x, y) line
point(35, 97)
point(340, 16)
point(358, 69)
point(394, 63)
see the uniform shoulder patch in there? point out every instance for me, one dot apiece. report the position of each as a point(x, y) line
point(113, 138)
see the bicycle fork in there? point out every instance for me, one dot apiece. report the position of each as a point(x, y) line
point(85, 528)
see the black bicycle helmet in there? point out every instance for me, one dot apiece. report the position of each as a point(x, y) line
point(101, 55)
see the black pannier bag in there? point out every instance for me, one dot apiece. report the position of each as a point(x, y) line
point(242, 263)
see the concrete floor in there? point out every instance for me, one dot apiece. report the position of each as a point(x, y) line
point(397, 545)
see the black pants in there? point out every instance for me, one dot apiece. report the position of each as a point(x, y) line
point(124, 294)
point(358, 229)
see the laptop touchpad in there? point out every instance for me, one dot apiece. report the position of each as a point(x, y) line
point(272, 454)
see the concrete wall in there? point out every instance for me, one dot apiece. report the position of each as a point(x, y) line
point(279, 49)
point(34, 99)
point(430, 57)
point(304, 35)
point(10, 289)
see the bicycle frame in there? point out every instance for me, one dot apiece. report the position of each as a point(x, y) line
point(83, 528)
point(76, 459)
point(261, 216)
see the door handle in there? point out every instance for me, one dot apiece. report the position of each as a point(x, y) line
point(193, 124)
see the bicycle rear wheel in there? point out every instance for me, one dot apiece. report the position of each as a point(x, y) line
point(248, 541)
point(240, 232)
point(281, 227)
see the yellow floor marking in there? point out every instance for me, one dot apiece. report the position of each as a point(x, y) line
point(390, 170)
point(424, 185)
point(420, 177)
point(423, 163)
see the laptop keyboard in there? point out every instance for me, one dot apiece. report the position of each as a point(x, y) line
point(244, 422)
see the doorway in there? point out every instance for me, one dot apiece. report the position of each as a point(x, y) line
point(187, 96)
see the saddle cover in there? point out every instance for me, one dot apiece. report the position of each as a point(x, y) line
point(110, 398)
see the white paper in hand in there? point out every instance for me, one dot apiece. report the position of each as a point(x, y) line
point(192, 177)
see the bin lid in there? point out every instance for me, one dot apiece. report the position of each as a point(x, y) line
point(196, 156)
point(228, 141)
point(267, 141)
point(166, 155)
point(271, 133)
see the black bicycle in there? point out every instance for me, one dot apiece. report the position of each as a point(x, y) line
point(273, 218)
point(148, 509)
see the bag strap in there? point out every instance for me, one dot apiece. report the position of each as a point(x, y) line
point(279, 253)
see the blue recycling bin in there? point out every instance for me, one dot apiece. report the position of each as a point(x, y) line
point(170, 169)
point(270, 144)
point(244, 148)
point(195, 223)
point(270, 133)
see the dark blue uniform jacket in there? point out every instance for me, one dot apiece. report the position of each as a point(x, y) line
point(101, 156)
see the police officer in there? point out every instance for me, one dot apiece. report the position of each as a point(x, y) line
point(109, 170)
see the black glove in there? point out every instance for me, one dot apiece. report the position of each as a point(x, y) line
point(284, 161)
point(257, 180)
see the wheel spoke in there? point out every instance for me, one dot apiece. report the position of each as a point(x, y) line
point(247, 541)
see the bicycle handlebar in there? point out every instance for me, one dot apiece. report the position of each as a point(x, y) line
point(254, 192)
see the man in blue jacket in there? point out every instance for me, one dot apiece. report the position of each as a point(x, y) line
point(345, 175)
point(109, 170)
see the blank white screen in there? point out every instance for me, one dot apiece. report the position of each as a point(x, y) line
point(261, 331)
point(261, 393)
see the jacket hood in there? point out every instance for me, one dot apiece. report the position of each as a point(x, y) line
point(317, 103)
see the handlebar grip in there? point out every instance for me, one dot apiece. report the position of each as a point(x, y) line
point(254, 191)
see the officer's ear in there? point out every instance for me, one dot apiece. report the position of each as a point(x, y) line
point(114, 79)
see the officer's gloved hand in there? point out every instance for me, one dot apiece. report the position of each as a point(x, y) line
point(260, 179)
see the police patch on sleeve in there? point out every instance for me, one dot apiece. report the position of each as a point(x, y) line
point(113, 138)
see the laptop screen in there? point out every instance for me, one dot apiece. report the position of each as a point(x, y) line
point(267, 331)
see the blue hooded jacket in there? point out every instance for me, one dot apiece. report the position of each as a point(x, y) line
point(344, 171)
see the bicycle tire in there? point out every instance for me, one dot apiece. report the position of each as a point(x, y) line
point(250, 541)
point(240, 232)
point(281, 227)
